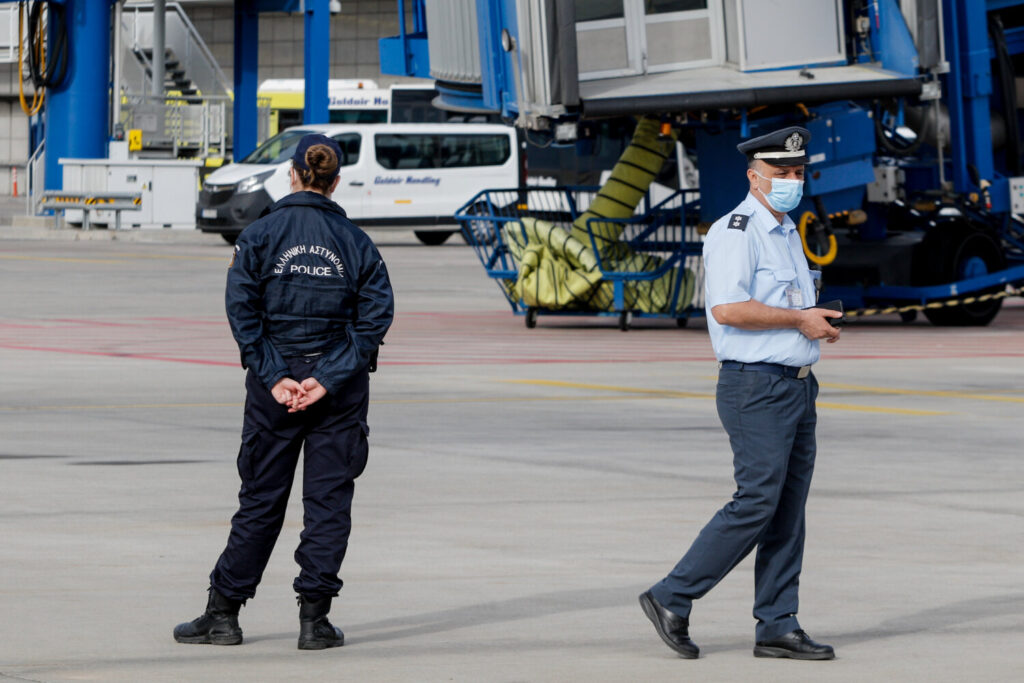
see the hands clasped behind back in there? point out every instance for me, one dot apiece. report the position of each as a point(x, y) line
point(298, 396)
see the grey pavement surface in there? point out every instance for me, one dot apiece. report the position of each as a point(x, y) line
point(523, 487)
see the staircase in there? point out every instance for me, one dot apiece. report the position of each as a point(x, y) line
point(176, 81)
point(190, 119)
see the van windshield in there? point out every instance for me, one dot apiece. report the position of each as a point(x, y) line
point(277, 149)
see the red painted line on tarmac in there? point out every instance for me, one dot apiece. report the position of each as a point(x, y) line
point(115, 354)
point(91, 323)
point(190, 321)
point(932, 356)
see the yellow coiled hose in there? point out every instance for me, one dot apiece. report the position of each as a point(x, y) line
point(833, 246)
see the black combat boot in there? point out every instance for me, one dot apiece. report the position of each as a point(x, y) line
point(217, 626)
point(315, 632)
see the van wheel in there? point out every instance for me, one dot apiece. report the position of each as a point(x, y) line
point(230, 238)
point(433, 237)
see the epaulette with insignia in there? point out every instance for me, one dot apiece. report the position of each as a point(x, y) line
point(738, 221)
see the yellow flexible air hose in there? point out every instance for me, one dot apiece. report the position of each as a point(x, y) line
point(557, 266)
point(833, 246)
point(630, 180)
point(38, 95)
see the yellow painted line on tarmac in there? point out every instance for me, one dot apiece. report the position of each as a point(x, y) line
point(853, 407)
point(667, 393)
point(897, 391)
point(513, 399)
point(618, 393)
point(468, 399)
point(604, 387)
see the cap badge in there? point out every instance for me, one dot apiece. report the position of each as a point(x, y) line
point(793, 142)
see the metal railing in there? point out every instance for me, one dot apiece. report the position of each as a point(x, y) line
point(35, 176)
point(177, 124)
point(182, 39)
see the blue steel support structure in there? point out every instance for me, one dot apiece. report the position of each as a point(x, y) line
point(316, 52)
point(77, 111)
point(498, 83)
point(406, 53)
point(246, 51)
point(968, 87)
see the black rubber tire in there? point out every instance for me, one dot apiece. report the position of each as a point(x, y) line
point(949, 253)
point(531, 318)
point(478, 232)
point(433, 238)
point(625, 320)
point(230, 237)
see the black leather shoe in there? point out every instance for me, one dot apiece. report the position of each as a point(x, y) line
point(794, 645)
point(672, 628)
point(218, 625)
point(315, 631)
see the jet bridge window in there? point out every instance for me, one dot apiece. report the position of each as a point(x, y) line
point(630, 37)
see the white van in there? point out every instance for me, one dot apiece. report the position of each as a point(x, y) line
point(392, 175)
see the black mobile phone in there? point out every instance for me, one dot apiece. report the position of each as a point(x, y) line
point(833, 305)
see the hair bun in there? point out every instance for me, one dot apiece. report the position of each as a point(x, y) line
point(322, 160)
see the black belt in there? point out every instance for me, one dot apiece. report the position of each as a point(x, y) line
point(770, 368)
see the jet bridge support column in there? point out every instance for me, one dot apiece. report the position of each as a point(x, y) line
point(247, 42)
point(77, 110)
point(317, 44)
point(969, 87)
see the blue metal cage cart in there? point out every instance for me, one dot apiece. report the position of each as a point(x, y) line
point(649, 264)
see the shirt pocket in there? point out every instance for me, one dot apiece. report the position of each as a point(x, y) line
point(785, 275)
point(784, 278)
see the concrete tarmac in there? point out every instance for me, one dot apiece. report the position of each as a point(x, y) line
point(524, 486)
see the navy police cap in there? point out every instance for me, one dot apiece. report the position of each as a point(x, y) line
point(307, 141)
point(786, 147)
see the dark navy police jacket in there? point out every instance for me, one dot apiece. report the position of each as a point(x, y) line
point(304, 280)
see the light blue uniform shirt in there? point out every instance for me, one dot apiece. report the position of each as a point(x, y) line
point(760, 261)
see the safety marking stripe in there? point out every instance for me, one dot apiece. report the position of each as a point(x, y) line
point(923, 392)
point(877, 409)
point(467, 399)
point(686, 394)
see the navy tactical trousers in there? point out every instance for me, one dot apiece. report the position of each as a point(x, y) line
point(770, 421)
point(332, 435)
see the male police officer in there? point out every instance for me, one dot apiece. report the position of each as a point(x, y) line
point(759, 296)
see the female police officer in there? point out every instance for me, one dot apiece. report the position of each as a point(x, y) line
point(309, 301)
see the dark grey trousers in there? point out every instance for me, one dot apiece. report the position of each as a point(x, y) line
point(770, 421)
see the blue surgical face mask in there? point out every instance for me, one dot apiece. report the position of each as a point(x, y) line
point(784, 195)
